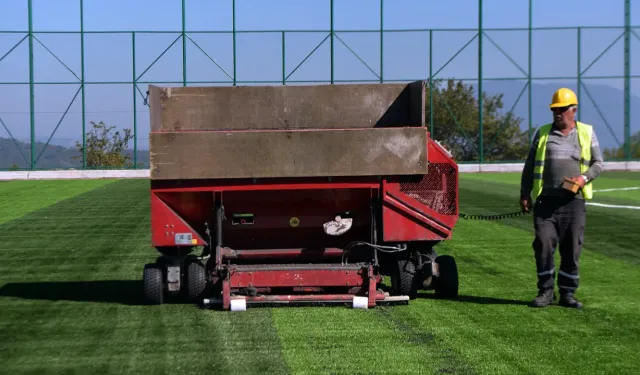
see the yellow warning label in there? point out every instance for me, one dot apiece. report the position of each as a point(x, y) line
point(294, 221)
point(194, 241)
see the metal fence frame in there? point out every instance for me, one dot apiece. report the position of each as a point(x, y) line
point(332, 37)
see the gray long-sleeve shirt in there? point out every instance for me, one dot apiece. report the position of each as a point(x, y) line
point(562, 160)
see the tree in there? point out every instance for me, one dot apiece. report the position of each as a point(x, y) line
point(618, 153)
point(105, 149)
point(455, 124)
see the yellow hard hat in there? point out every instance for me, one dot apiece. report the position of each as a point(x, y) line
point(564, 97)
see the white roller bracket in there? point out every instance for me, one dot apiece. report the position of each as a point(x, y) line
point(337, 226)
point(360, 302)
point(239, 304)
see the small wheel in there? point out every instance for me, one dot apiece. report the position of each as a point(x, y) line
point(403, 279)
point(196, 280)
point(153, 280)
point(446, 284)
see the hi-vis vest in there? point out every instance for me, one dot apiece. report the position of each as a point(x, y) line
point(584, 138)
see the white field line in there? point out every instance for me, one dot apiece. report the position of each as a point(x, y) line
point(613, 206)
point(617, 189)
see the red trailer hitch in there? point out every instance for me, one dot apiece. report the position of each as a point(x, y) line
point(307, 284)
point(258, 283)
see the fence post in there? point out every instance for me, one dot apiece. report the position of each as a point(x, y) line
point(381, 40)
point(331, 31)
point(84, 124)
point(135, 113)
point(579, 77)
point(31, 89)
point(284, 57)
point(184, 44)
point(480, 99)
point(233, 13)
point(530, 62)
point(431, 81)
point(627, 79)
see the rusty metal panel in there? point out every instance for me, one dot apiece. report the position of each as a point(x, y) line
point(281, 153)
point(286, 107)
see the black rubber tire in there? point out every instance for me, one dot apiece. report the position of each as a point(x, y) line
point(196, 280)
point(446, 284)
point(153, 280)
point(403, 280)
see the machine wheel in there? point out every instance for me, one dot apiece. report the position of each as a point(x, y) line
point(403, 280)
point(446, 284)
point(196, 280)
point(153, 280)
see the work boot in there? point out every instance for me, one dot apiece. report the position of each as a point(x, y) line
point(568, 300)
point(544, 298)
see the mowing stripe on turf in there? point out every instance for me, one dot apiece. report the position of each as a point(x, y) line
point(84, 314)
point(23, 197)
point(493, 330)
point(489, 329)
point(342, 340)
point(607, 230)
point(70, 290)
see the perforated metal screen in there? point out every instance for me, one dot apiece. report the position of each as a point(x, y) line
point(436, 189)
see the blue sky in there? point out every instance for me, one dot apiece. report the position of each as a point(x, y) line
point(63, 15)
point(108, 57)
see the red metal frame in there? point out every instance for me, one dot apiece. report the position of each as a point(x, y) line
point(362, 279)
point(407, 219)
point(287, 227)
point(166, 222)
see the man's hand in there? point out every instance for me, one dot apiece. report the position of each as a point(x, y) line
point(525, 203)
point(579, 180)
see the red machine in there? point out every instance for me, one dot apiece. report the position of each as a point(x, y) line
point(298, 194)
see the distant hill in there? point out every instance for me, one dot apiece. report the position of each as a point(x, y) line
point(18, 154)
point(609, 101)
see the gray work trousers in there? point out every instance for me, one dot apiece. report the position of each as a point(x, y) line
point(558, 222)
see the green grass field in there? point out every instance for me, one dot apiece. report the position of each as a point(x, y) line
point(72, 257)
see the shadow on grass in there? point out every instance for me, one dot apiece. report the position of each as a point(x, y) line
point(125, 292)
point(129, 292)
point(479, 300)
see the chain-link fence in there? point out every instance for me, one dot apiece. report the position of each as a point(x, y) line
point(58, 80)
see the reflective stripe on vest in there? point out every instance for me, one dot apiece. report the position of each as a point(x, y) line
point(584, 138)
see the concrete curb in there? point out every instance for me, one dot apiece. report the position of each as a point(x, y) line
point(74, 174)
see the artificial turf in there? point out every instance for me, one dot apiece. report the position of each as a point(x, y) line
point(72, 258)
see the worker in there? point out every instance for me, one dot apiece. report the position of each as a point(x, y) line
point(565, 148)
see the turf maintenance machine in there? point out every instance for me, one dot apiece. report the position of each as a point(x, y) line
point(310, 194)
